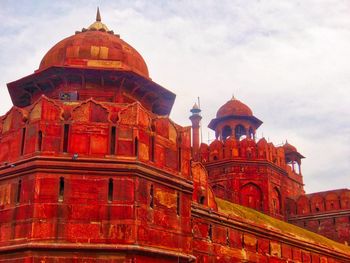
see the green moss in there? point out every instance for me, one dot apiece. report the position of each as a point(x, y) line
point(276, 225)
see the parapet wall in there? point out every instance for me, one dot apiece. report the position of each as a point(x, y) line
point(326, 213)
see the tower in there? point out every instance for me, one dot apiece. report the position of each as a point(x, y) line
point(242, 170)
point(234, 118)
point(93, 170)
point(195, 119)
point(91, 166)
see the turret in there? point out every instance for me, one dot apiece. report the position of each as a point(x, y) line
point(236, 119)
point(195, 119)
point(293, 157)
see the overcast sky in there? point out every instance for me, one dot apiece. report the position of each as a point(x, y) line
point(288, 60)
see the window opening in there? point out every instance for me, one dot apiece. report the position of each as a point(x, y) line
point(113, 140)
point(240, 131)
point(61, 190)
point(178, 203)
point(226, 132)
point(136, 145)
point(19, 190)
point(23, 140)
point(40, 140)
point(179, 157)
point(210, 233)
point(110, 190)
point(151, 196)
point(65, 137)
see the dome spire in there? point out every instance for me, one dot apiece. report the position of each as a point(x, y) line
point(98, 25)
point(98, 15)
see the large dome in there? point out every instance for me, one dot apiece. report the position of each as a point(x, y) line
point(234, 107)
point(95, 47)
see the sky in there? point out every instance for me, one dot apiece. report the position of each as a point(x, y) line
point(288, 60)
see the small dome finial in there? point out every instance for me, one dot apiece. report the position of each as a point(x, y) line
point(195, 109)
point(98, 15)
point(98, 25)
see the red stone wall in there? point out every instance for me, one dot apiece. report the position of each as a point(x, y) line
point(235, 166)
point(226, 243)
point(325, 213)
point(107, 180)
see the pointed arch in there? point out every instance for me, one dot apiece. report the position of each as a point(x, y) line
point(276, 201)
point(251, 196)
point(240, 132)
point(90, 111)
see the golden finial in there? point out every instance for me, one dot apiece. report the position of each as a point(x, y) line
point(98, 25)
point(98, 15)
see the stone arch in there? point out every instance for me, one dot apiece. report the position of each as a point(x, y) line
point(226, 132)
point(251, 196)
point(240, 131)
point(303, 205)
point(276, 201)
point(317, 203)
point(46, 109)
point(332, 201)
point(262, 148)
point(251, 133)
point(14, 119)
point(345, 199)
point(204, 152)
point(291, 206)
point(90, 111)
point(231, 147)
point(215, 150)
point(248, 148)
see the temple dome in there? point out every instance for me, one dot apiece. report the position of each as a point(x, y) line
point(95, 47)
point(234, 107)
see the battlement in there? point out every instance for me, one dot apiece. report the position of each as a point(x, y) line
point(89, 128)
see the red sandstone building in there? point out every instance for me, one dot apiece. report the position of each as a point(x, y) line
point(93, 170)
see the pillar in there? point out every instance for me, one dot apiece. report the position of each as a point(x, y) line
point(195, 119)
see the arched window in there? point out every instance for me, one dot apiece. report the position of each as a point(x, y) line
point(110, 190)
point(251, 196)
point(240, 131)
point(226, 132)
point(210, 232)
point(113, 140)
point(65, 137)
point(19, 190)
point(61, 190)
point(251, 133)
point(178, 203)
point(276, 201)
